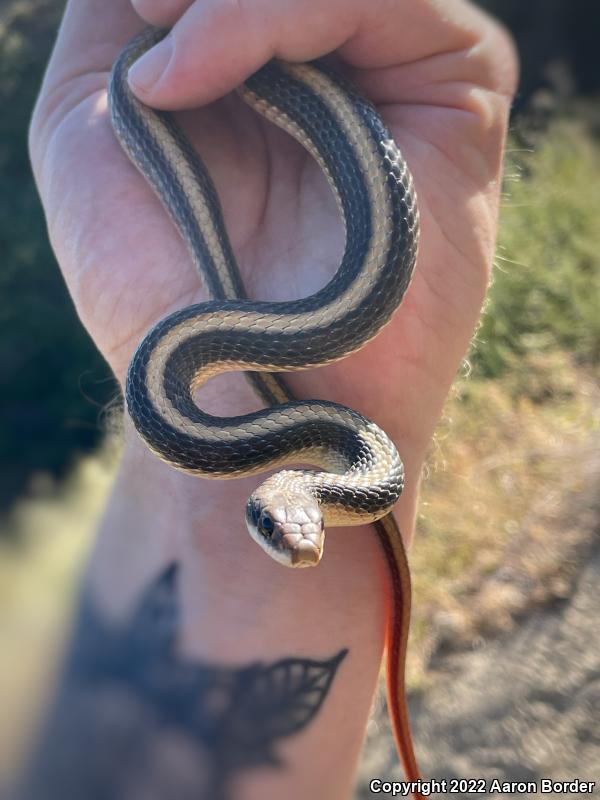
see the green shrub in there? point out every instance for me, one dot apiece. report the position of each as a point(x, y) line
point(546, 287)
point(53, 382)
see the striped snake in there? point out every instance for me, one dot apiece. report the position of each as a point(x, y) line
point(358, 474)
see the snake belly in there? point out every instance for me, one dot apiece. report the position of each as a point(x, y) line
point(376, 197)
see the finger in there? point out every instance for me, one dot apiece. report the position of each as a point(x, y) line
point(163, 13)
point(216, 44)
point(91, 34)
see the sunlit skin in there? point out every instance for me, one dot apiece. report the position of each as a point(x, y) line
point(447, 113)
point(442, 75)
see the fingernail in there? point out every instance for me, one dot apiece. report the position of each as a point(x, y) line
point(147, 70)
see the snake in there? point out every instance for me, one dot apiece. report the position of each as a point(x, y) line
point(356, 473)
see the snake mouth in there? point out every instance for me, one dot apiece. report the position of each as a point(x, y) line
point(306, 554)
point(291, 551)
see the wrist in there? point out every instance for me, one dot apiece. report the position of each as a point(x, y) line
point(212, 511)
point(158, 515)
point(230, 588)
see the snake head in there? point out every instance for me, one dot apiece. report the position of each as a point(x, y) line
point(287, 525)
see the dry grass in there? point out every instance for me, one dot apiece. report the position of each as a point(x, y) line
point(504, 510)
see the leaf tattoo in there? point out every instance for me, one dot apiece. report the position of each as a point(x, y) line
point(134, 698)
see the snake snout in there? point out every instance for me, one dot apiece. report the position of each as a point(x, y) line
point(305, 545)
point(289, 526)
point(299, 527)
point(306, 554)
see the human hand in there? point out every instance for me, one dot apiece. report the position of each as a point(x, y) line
point(442, 80)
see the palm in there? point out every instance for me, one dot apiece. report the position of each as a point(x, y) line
point(127, 267)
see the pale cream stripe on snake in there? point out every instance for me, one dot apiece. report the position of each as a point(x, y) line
point(375, 194)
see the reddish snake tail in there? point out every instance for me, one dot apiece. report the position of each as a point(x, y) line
point(398, 623)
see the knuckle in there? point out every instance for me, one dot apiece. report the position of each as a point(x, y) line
point(501, 62)
point(160, 12)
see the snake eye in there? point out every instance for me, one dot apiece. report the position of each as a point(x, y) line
point(267, 525)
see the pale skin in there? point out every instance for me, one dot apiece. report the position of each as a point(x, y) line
point(442, 75)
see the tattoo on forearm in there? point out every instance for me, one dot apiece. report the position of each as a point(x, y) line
point(135, 719)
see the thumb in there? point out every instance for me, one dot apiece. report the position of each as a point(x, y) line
point(215, 45)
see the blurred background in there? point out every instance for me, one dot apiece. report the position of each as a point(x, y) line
point(505, 652)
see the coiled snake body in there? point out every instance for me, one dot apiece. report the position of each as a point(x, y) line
point(360, 474)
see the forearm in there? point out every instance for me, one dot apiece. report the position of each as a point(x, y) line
point(175, 671)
